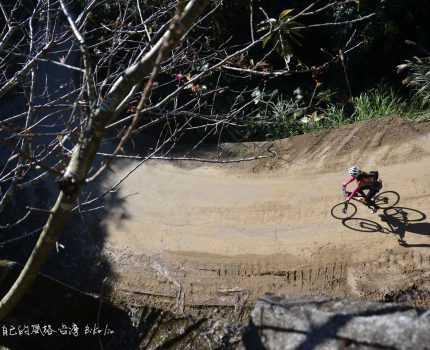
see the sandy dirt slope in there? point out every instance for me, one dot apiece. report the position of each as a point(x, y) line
point(205, 234)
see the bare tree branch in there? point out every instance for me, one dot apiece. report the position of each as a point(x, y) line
point(20, 74)
point(84, 153)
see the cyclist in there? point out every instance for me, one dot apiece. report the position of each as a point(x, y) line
point(365, 181)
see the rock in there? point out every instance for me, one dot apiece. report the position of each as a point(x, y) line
point(322, 323)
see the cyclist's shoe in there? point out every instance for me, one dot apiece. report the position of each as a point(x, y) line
point(402, 242)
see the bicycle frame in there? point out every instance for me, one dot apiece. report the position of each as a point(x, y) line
point(359, 195)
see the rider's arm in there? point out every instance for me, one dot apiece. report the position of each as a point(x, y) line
point(353, 193)
point(346, 183)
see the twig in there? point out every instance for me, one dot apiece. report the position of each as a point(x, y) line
point(342, 60)
point(143, 292)
point(33, 161)
point(321, 9)
point(9, 33)
point(333, 24)
point(165, 46)
point(192, 80)
point(16, 223)
point(3, 243)
point(279, 73)
point(85, 56)
point(251, 20)
point(201, 160)
point(16, 78)
point(38, 209)
point(62, 65)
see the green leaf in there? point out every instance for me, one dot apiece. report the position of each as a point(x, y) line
point(285, 13)
point(266, 40)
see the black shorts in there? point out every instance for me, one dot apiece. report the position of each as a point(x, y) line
point(371, 189)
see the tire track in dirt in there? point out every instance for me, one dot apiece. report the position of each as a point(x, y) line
point(238, 285)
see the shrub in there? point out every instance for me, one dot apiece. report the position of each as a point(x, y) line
point(286, 117)
point(418, 78)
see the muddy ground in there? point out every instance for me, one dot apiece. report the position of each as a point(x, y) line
point(213, 237)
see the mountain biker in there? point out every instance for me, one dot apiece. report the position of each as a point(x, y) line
point(365, 181)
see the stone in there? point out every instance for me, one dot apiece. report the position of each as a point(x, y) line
point(323, 323)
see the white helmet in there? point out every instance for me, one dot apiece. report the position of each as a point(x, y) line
point(354, 171)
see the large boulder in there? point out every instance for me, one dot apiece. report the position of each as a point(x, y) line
point(321, 323)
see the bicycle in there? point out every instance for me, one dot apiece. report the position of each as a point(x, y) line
point(346, 209)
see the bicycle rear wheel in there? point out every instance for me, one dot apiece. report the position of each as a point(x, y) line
point(387, 199)
point(343, 210)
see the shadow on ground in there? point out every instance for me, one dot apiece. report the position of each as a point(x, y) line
point(76, 282)
point(398, 221)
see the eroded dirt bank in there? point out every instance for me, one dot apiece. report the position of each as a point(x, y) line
point(196, 235)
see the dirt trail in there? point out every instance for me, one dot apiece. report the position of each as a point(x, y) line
point(197, 235)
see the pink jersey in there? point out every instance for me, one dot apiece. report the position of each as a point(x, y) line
point(359, 184)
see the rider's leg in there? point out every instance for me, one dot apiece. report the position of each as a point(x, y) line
point(372, 191)
point(363, 194)
point(369, 197)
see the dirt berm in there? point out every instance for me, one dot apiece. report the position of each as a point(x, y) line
point(195, 235)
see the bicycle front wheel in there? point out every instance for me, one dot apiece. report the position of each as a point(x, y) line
point(344, 210)
point(387, 199)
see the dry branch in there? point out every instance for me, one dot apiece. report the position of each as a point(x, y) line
point(85, 152)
